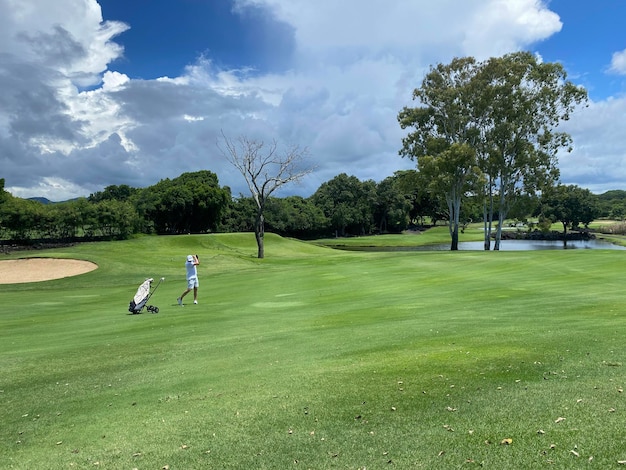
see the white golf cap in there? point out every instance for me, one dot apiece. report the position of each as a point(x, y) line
point(190, 258)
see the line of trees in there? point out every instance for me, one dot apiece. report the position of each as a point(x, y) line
point(342, 206)
point(195, 203)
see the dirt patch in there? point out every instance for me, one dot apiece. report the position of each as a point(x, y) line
point(41, 269)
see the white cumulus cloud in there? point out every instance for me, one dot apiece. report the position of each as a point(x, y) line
point(618, 62)
point(71, 124)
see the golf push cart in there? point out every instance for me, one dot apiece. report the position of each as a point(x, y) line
point(142, 296)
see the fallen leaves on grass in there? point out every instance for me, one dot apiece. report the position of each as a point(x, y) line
point(559, 419)
point(506, 442)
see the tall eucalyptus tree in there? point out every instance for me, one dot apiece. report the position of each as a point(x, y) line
point(444, 133)
point(520, 104)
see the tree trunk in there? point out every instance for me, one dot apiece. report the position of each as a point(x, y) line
point(496, 243)
point(454, 245)
point(454, 207)
point(490, 228)
point(501, 217)
point(488, 217)
point(259, 232)
point(486, 234)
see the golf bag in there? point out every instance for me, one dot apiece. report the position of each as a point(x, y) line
point(142, 296)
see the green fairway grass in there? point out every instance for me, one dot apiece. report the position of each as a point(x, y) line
point(432, 236)
point(316, 358)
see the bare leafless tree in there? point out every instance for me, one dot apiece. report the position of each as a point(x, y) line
point(265, 169)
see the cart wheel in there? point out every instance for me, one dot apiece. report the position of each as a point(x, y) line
point(156, 309)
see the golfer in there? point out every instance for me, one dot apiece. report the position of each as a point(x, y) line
point(192, 279)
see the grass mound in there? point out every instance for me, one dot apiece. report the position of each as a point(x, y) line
point(316, 358)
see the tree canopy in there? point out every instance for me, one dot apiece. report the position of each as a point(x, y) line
point(569, 204)
point(348, 203)
point(192, 202)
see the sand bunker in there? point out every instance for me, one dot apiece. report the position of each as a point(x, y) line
point(41, 269)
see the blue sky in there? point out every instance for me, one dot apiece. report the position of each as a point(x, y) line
point(592, 32)
point(166, 36)
point(105, 92)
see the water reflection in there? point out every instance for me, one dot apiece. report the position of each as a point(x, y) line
point(505, 245)
point(530, 245)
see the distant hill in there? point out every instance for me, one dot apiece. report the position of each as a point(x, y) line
point(616, 194)
point(43, 200)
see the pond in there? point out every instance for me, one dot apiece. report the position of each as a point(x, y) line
point(505, 245)
point(532, 245)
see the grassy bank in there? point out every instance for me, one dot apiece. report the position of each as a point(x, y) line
point(315, 358)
